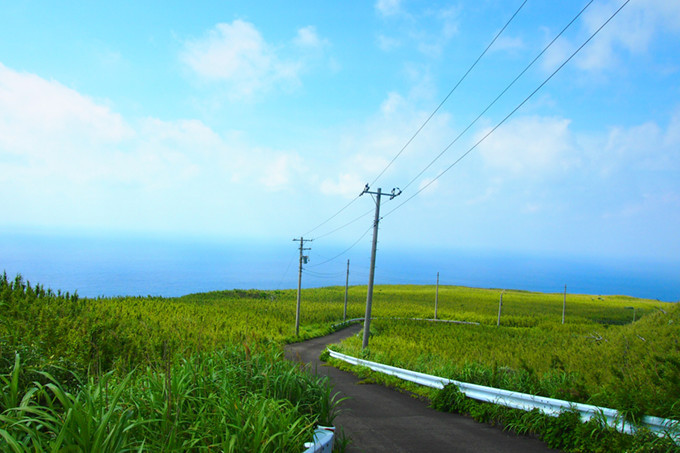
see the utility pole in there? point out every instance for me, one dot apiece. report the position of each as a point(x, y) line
point(304, 259)
point(500, 306)
point(564, 303)
point(369, 297)
point(344, 312)
point(436, 297)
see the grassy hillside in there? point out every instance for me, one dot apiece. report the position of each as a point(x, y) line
point(60, 351)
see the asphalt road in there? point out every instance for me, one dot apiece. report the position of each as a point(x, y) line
point(379, 419)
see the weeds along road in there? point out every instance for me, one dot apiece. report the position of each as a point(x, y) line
point(379, 419)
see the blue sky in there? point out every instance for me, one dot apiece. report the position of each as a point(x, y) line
point(260, 120)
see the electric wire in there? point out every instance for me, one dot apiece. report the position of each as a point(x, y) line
point(331, 217)
point(346, 250)
point(285, 273)
point(495, 38)
point(356, 219)
point(476, 119)
point(345, 225)
point(450, 93)
point(323, 274)
point(526, 99)
point(499, 96)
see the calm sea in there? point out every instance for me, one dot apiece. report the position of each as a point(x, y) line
point(97, 266)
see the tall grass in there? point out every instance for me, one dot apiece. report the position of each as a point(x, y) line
point(633, 368)
point(147, 372)
point(226, 400)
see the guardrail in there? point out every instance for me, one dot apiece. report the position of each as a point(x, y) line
point(450, 321)
point(549, 406)
point(323, 440)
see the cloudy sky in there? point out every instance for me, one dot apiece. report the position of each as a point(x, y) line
point(247, 120)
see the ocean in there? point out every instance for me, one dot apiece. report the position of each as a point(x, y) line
point(140, 266)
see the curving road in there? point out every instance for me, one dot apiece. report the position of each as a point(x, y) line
point(379, 419)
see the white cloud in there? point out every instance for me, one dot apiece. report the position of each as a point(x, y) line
point(387, 43)
point(307, 37)
point(428, 185)
point(347, 185)
point(77, 162)
point(642, 148)
point(632, 30)
point(672, 135)
point(368, 150)
point(40, 111)
point(449, 21)
point(238, 55)
point(281, 172)
point(508, 44)
point(388, 7)
point(428, 30)
point(557, 54)
point(392, 104)
point(529, 146)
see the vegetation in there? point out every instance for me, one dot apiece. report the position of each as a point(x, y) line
point(565, 432)
point(151, 374)
point(205, 370)
point(633, 368)
point(599, 356)
point(225, 400)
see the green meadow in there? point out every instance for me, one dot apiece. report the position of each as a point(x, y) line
point(205, 371)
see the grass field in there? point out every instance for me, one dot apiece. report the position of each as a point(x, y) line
point(124, 367)
point(599, 356)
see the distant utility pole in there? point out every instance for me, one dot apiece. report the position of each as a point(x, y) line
point(344, 312)
point(436, 297)
point(500, 307)
point(303, 259)
point(564, 303)
point(369, 297)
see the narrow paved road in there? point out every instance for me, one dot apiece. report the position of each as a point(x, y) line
point(379, 419)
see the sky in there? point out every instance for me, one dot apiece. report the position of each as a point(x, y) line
point(260, 121)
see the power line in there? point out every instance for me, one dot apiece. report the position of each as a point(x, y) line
point(285, 272)
point(332, 217)
point(450, 93)
point(322, 274)
point(356, 219)
point(346, 250)
point(500, 95)
point(417, 131)
point(345, 225)
point(511, 113)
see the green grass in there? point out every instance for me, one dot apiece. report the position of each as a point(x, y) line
point(142, 343)
point(226, 400)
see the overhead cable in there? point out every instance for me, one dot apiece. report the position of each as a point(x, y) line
point(331, 217)
point(345, 225)
point(449, 95)
point(500, 95)
point(526, 99)
point(346, 250)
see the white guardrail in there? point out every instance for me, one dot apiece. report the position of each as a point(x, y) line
point(323, 440)
point(517, 400)
point(450, 321)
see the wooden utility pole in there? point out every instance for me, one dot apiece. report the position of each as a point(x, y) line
point(371, 275)
point(344, 312)
point(436, 297)
point(564, 303)
point(500, 305)
point(304, 259)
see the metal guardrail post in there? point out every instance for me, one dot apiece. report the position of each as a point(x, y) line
point(324, 436)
